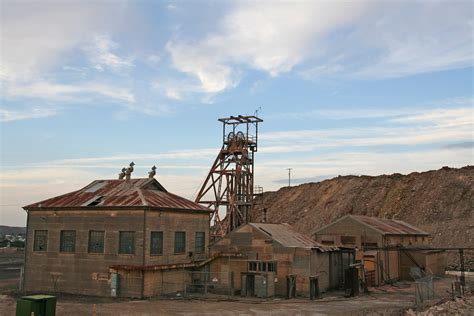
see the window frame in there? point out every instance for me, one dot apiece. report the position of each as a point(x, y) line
point(176, 250)
point(159, 246)
point(63, 246)
point(35, 240)
point(202, 247)
point(89, 244)
point(122, 235)
point(262, 266)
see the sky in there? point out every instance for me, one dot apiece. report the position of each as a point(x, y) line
point(355, 87)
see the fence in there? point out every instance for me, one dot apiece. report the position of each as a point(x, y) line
point(196, 283)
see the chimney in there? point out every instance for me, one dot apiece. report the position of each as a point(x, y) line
point(152, 172)
point(121, 175)
point(129, 171)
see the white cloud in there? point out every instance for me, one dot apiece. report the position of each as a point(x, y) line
point(419, 127)
point(319, 38)
point(101, 55)
point(7, 115)
point(56, 91)
point(52, 30)
point(273, 37)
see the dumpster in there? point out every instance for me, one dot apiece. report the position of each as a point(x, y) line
point(40, 305)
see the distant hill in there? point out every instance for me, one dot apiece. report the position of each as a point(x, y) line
point(12, 230)
point(440, 202)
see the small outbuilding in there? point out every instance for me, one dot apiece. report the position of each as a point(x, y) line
point(274, 259)
point(385, 244)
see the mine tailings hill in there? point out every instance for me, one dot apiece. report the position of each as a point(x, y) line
point(440, 202)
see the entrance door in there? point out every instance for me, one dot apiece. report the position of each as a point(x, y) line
point(290, 285)
point(313, 288)
point(250, 285)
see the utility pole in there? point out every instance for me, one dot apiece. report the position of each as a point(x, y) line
point(289, 177)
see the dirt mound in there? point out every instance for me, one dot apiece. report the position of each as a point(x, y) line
point(440, 202)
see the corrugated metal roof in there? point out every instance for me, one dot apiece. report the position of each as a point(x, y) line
point(120, 193)
point(285, 235)
point(389, 226)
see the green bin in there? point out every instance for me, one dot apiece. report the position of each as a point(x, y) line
point(40, 305)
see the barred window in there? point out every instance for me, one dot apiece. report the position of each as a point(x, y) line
point(200, 242)
point(179, 242)
point(262, 266)
point(156, 245)
point(96, 241)
point(41, 240)
point(127, 242)
point(67, 241)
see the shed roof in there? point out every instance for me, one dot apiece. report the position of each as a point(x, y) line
point(140, 192)
point(285, 235)
point(384, 226)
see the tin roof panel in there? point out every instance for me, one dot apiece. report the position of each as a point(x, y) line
point(121, 193)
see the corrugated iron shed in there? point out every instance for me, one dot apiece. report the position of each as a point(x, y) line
point(285, 235)
point(140, 192)
point(389, 226)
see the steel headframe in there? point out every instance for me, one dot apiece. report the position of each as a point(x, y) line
point(230, 182)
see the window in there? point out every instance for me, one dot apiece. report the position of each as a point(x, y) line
point(68, 241)
point(348, 240)
point(41, 240)
point(262, 266)
point(156, 245)
point(179, 242)
point(127, 243)
point(200, 242)
point(96, 241)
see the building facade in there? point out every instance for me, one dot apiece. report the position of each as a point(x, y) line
point(377, 237)
point(126, 238)
point(272, 259)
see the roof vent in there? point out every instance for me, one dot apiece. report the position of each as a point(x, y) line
point(152, 172)
point(95, 201)
point(128, 172)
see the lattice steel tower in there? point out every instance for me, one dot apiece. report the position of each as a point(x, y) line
point(229, 185)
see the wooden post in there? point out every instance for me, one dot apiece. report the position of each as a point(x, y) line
point(94, 311)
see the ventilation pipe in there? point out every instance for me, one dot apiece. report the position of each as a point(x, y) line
point(128, 172)
point(152, 172)
point(121, 175)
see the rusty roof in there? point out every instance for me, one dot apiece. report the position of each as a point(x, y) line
point(386, 226)
point(285, 235)
point(140, 192)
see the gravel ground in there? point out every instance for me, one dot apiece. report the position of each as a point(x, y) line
point(387, 300)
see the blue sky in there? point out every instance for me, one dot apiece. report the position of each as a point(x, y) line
point(357, 87)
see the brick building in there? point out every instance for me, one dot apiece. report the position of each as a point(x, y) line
point(368, 233)
point(126, 237)
point(268, 259)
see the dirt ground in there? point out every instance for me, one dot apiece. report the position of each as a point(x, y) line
point(387, 300)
